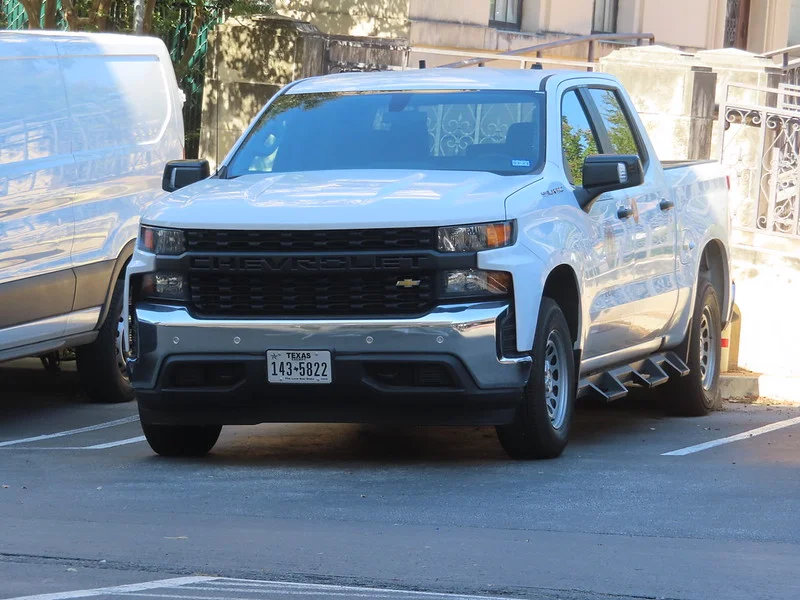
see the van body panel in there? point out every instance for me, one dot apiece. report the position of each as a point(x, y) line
point(88, 122)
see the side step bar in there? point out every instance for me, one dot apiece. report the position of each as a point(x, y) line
point(648, 373)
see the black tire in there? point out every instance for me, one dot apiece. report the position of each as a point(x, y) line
point(101, 372)
point(534, 434)
point(698, 393)
point(181, 440)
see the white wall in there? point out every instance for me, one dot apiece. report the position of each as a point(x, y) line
point(794, 22)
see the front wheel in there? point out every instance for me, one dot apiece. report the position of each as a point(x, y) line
point(698, 393)
point(542, 424)
point(181, 440)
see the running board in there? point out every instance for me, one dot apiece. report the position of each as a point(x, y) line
point(649, 373)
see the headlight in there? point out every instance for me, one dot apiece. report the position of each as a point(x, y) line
point(472, 282)
point(471, 238)
point(166, 286)
point(162, 241)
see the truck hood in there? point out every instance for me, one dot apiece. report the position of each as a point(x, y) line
point(338, 200)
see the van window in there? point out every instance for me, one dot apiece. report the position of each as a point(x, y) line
point(34, 122)
point(115, 100)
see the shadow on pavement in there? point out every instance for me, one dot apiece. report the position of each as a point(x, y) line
point(30, 391)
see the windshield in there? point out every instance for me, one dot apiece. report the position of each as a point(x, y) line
point(497, 131)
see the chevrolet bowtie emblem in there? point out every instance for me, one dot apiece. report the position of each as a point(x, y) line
point(408, 283)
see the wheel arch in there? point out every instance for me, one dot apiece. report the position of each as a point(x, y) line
point(561, 285)
point(118, 272)
point(714, 265)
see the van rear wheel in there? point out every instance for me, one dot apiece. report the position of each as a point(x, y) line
point(101, 367)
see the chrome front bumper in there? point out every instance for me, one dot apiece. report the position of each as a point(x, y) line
point(468, 332)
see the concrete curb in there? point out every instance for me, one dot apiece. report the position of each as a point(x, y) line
point(753, 387)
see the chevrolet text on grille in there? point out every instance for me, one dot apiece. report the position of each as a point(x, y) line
point(286, 264)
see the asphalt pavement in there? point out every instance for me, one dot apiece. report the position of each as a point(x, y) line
point(640, 506)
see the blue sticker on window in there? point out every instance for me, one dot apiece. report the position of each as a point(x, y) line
point(521, 163)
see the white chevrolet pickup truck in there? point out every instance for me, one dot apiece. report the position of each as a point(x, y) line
point(434, 247)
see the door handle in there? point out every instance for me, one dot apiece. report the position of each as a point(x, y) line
point(666, 204)
point(623, 212)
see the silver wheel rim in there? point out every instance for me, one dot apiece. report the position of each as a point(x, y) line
point(556, 379)
point(709, 347)
point(121, 356)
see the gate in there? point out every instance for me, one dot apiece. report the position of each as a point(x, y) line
point(346, 54)
point(760, 145)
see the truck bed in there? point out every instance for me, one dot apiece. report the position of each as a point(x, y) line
point(675, 164)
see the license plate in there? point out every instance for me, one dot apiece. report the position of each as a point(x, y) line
point(298, 366)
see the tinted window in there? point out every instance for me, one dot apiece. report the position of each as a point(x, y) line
point(577, 137)
point(497, 131)
point(616, 122)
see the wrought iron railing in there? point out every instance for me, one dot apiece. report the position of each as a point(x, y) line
point(760, 145)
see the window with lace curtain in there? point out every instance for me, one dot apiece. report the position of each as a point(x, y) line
point(505, 14)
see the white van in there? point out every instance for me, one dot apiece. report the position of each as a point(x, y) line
point(87, 123)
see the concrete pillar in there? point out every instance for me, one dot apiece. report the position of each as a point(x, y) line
point(247, 62)
point(673, 95)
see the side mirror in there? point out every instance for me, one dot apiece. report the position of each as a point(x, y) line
point(180, 173)
point(609, 172)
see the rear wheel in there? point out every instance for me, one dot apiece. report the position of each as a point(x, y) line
point(181, 440)
point(101, 366)
point(698, 393)
point(541, 427)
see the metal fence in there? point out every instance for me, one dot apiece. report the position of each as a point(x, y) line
point(761, 147)
point(121, 20)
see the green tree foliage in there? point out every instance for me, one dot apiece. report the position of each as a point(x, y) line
point(161, 18)
point(578, 144)
point(619, 131)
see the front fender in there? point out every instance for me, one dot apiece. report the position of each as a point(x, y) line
point(543, 244)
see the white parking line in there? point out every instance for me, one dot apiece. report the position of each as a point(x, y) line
point(223, 582)
point(119, 589)
point(50, 436)
point(133, 440)
point(221, 588)
point(734, 438)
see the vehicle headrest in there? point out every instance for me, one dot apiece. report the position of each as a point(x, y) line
point(521, 136)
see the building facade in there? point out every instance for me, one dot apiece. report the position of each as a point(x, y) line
point(754, 25)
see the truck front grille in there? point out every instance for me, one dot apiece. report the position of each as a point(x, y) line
point(401, 238)
point(218, 294)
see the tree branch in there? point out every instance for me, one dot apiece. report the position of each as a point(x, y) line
point(149, 9)
point(33, 8)
point(50, 14)
point(191, 43)
point(100, 14)
point(72, 19)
